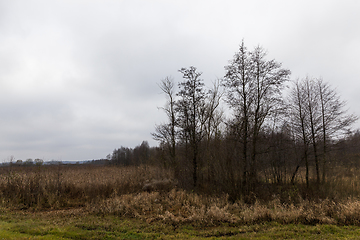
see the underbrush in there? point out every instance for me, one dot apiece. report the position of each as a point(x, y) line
point(179, 207)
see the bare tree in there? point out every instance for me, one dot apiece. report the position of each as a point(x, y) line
point(213, 115)
point(213, 119)
point(239, 88)
point(317, 116)
point(298, 120)
point(314, 118)
point(253, 86)
point(334, 117)
point(166, 133)
point(191, 109)
point(269, 78)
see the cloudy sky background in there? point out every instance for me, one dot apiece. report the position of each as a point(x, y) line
point(79, 78)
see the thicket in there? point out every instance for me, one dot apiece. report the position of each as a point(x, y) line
point(273, 138)
point(278, 136)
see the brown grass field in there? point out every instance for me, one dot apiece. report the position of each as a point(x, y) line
point(120, 191)
point(149, 194)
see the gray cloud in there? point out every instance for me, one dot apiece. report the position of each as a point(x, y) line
point(79, 78)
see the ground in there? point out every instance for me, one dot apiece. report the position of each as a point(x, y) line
point(78, 224)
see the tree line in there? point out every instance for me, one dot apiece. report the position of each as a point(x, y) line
point(252, 130)
point(270, 136)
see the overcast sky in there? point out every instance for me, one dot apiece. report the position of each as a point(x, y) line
point(79, 78)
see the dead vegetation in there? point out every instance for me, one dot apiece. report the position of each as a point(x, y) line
point(150, 193)
point(71, 185)
point(159, 185)
point(179, 206)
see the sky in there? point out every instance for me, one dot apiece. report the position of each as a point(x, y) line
point(80, 78)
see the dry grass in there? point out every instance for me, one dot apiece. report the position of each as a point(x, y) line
point(148, 193)
point(68, 186)
point(178, 206)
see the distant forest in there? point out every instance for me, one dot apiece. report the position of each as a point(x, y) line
point(270, 137)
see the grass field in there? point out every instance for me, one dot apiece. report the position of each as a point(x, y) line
point(104, 202)
point(76, 224)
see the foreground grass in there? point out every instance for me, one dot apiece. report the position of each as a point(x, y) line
point(77, 224)
point(106, 202)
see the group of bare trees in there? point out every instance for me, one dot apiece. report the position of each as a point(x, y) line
point(264, 128)
point(193, 117)
point(253, 86)
point(317, 117)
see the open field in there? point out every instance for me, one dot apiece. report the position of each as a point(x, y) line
point(39, 187)
point(107, 202)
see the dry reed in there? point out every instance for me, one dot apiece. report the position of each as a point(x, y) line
point(120, 191)
point(69, 186)
point(179, 206)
